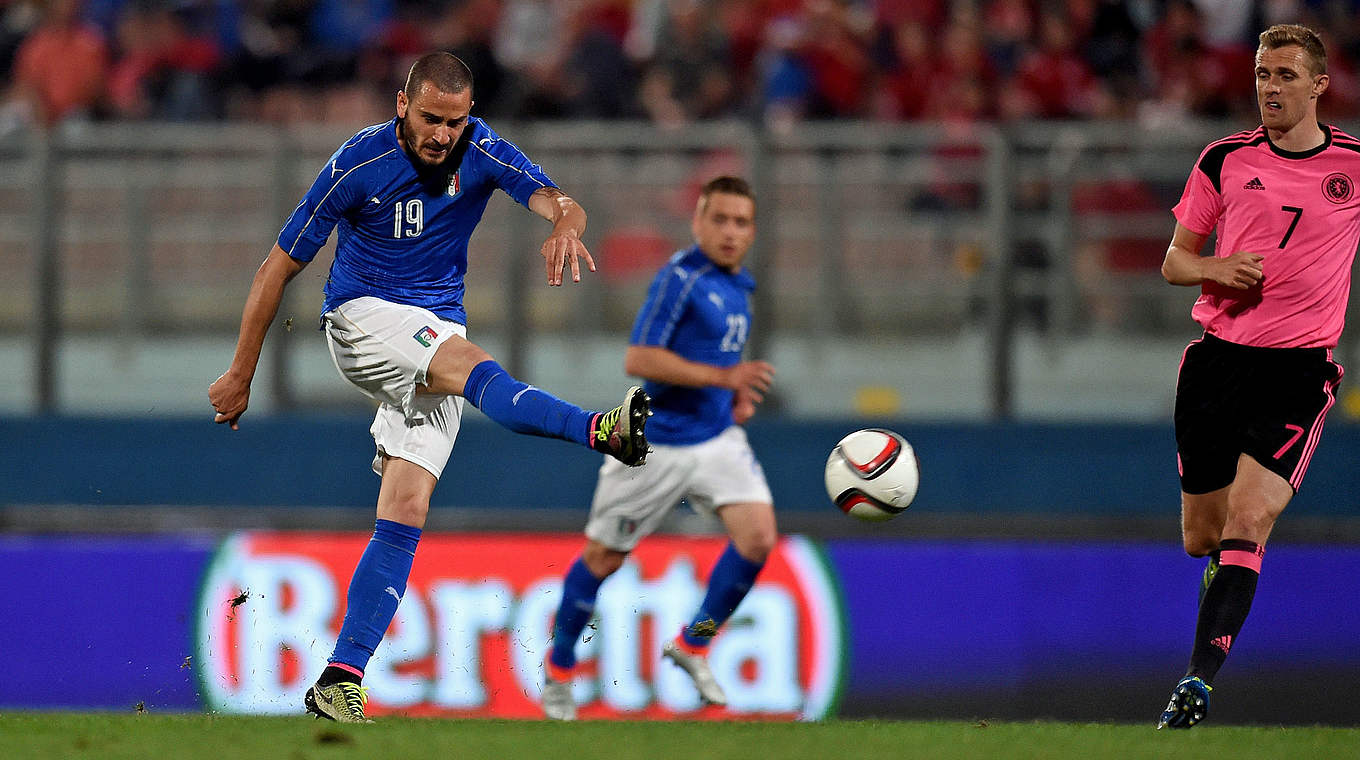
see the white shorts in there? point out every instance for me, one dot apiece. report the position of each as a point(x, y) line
point(631, 502)
point(385, 349)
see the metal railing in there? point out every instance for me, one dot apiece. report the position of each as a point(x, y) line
point(973, 238)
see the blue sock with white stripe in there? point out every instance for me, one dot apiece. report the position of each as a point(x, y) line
point(732, 578)
point(523, 408)
point(376, 588)
point(579, 590)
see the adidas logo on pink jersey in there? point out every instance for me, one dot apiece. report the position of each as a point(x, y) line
point(1254, 184)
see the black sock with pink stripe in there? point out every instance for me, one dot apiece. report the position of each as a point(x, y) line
point(1225, 605)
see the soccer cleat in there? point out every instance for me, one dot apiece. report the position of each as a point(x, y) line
point(1210, 570)
point(1189, 704)
point(620, 432)
point(342, 702)
point(558, 703)
point(697, 667)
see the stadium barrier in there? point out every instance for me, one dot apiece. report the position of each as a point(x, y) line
point(840, 628)
point(292, 461)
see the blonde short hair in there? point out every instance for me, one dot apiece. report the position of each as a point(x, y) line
point(1282, 35)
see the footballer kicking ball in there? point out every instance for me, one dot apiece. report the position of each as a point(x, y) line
point(872, 474)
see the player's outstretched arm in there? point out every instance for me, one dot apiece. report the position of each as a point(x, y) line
point(230, 393)
point(1185, 266)
point(563, 247)
point(750, 378)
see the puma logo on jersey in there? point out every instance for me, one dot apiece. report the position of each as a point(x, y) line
point(334, 169)
point(1254, 184)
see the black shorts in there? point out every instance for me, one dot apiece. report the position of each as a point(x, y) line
point(1268, 403)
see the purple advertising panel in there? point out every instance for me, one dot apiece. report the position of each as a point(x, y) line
point(100, 622)
point(891, 628)
point(1087, 630)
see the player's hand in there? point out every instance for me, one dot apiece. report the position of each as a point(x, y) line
point(1240, 271)
point(230, 395)
point(750, 379)
point(743, 407)
point(562, 249)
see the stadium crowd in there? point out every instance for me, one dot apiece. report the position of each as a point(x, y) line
point(668, 61)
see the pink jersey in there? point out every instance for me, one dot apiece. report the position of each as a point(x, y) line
point(1299, 210)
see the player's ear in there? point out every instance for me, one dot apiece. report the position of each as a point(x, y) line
point(1320, 83)
point(401, 104)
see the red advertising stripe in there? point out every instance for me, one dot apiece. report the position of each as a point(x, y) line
point(472, 629)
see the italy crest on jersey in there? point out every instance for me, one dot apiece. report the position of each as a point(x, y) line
point(455, 184)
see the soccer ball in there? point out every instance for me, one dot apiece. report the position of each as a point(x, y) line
point(872, 474)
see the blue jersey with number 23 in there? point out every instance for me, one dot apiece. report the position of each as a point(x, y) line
point(701, 312)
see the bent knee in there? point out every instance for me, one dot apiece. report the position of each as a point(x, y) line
point(601, 560)
point(758, 545)
point(1200, 546)
point(406, 511)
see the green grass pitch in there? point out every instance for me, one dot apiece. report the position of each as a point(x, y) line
point(150, 736)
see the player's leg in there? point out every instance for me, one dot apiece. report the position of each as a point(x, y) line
point(412, 447)
point(1255, 501)
point(1278, 442)
point(1202, 519)
point(751, 527)
point(1207, 449)
point(580, 588)
point(730, 476)
point(375, 590)
point(463, 368)
point(627, 505)
point(395, 353)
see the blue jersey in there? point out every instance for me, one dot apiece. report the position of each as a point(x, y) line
point(702, 312)
point(404, 228)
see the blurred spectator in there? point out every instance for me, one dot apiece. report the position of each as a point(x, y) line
point(836, 52)
point(597, 77)
point(1099, 259)
point(165, 69)
point(60, 68)
point(338, 30)
point(687, 78)
point(672, 61)
point(908, 82)
point(272, 34)
point(1009, 29)
point(467, 28)
point(1053, 81)
point(17, 19)
point(786, 85)
point(1110, 43)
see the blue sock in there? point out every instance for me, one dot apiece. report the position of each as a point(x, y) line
point(578, 604)
point(732, 578)
point(522, 407)
point(378, 583)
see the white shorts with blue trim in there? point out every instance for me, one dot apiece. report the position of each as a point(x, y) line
point(631, 502)
point(384, 349)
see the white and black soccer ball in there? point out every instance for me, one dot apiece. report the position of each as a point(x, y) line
point(872, 474)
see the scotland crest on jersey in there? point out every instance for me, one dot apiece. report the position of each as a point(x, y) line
point(455, 184)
